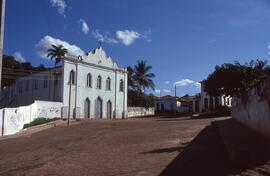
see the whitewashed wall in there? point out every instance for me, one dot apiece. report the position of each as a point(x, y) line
point(254, 114)
point(13, 119)
point(97, 64)
point(48, 109)
point(140, 111)
point(169, 105)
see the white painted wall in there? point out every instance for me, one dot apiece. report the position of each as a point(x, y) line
point(222, 100)
point(140, 111)
point(47, 109)
point(97, 64)
point(169, 105)
point(254, 114)
point(15, 118)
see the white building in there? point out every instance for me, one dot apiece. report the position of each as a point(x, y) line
point(203, 102)
point(169, 103)
point(98, 87)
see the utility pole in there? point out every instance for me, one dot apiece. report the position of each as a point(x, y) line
point(175, 104)
point(69, 98)
point(2, 22)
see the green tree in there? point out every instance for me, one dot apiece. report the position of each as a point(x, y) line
point(13, 69)
point(131, 78)
point(142, 79)
point(57, 53)
point(236, 79)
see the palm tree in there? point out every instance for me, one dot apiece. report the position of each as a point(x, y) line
point(57, 53)
point(142, 77)
point(131, 78)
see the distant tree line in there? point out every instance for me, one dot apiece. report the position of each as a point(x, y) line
point(12, 69)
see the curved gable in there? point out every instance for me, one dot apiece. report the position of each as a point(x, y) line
point(99, 57)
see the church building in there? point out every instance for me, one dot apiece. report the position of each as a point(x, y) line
point(90, 86)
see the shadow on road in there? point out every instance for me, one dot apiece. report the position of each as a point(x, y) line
point(165, 150)
point(175, 119)
point(205, 155)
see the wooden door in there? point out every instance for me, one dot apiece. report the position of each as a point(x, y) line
point(87, 108)
point(109, 110)
point(98, 108)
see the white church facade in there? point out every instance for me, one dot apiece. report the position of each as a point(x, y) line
point(90, 86)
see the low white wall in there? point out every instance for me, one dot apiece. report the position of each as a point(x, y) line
point(254, 113)
point(13, 119)
point(140, 111)
point(48, 109)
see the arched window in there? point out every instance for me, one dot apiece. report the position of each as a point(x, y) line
point(45, 85)
point(89, 80)
point(99, 82)
point(121, 85)
point(27, 85)
point(72, 77)
point(20, 86)
point(108, 84)
point(36, 84)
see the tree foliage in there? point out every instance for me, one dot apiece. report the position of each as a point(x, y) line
point(236, 79)
point(12, 69)
point(139, 79)
point(142, 78)
point(57, 53)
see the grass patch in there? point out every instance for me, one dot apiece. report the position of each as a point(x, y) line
point(39, 121)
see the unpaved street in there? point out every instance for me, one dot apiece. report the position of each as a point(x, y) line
point(105, 147)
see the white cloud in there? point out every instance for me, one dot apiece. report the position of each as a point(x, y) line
point(197, 84)
point(46, 43)
point(147, 35)
point(61, 5)
point(103, 38)
point(85, 28)
point(269, 49)
point(127, 37)
point(167, 91)
point(183, 82)
point(157, 91)
point(18, 57)
point(167, 82)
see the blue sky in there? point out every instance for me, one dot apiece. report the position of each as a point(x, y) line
point(182, 39)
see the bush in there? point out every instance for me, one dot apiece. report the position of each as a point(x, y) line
point(39, 121)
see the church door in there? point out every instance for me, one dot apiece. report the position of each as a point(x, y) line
point(87, 108)
point(109, 110)
point(98, 108)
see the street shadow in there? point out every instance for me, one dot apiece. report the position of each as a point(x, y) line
point(206, 155)
point(165, 119)
point(165, 150)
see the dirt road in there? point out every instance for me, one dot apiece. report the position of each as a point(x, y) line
point(103, 147)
